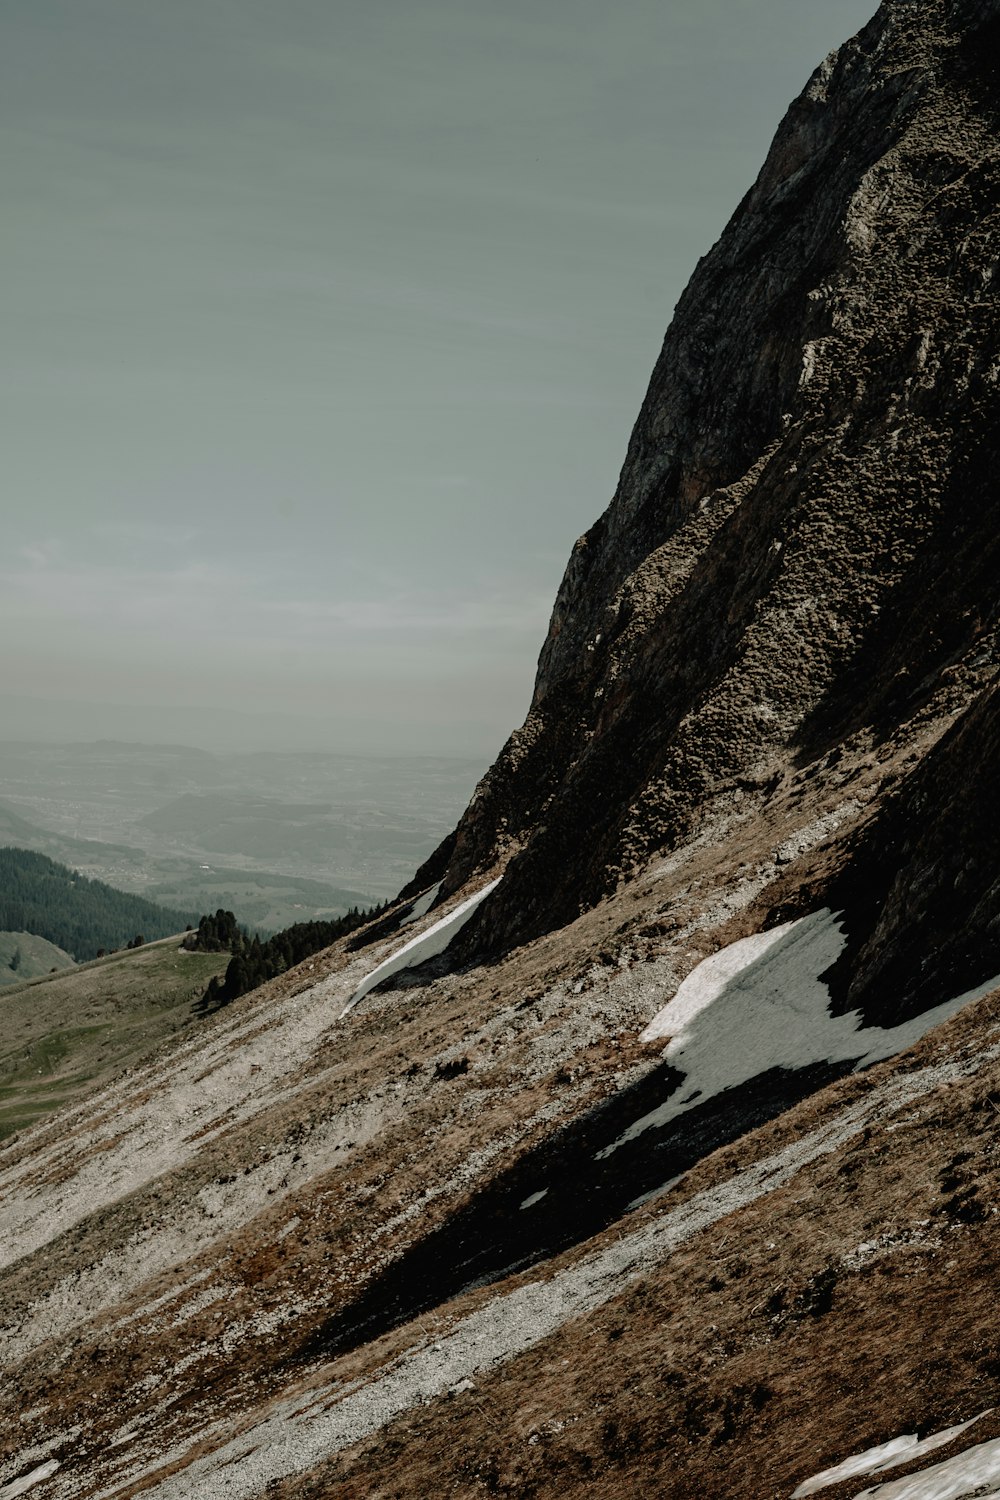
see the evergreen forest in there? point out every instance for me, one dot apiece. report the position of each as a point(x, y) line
point(254, 962)
point(82, 916)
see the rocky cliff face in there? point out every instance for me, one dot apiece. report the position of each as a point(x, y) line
point(802, 557)
point(665, 1099)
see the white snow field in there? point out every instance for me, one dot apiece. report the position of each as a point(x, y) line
point(427, 945)
point(901, 1450)
point(974, 1472)
point(761, 1003)
point(28, 1481)
point(422, 905)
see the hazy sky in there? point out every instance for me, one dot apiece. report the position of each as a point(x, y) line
point(325, 326)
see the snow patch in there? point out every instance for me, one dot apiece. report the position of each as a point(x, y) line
point(27, 1481)
point(761, 1003)
point(967, 1473)
point(422, 905)
point(901, 1450)
point(430, 943)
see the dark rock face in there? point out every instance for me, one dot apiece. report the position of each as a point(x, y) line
point(926, 881)
point(803, 552)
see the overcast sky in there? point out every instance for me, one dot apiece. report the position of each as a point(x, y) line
point(325, 326)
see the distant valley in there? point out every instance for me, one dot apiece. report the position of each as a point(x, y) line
point(277, 838)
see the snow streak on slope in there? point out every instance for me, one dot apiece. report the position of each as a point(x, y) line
point(901, 1450)
point(968, 1473)
point(422, 905)
point(299, 1432)
point(428, 945)
point(760, 1004)
point(28, 1481)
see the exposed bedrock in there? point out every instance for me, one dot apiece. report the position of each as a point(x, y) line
point(803, 550)
point(923, 887)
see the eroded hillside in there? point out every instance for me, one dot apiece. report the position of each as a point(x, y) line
point(648, 1144)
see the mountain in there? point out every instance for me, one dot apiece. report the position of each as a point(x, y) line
point(647, 1145)
point(79, 915)
point(801, 561)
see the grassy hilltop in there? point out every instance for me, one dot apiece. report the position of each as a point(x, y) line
point(65, 1033)
point(25, 956)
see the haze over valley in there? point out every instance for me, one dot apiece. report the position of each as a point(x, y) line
point(276, 837)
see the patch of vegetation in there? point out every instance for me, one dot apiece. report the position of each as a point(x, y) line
point(219, 934)
point(79, 915)
point(25, 956)
point(66, 1033)
point(254, 962)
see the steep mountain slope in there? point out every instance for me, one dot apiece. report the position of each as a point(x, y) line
point(648, 1144)
point(801, 558)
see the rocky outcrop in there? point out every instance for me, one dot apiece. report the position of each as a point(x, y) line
point(803, 554)
point(615, 1192)
point(923, 886)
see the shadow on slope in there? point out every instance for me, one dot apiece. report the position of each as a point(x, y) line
point(749, 1033)
point(928, 864)
point(560, 1194)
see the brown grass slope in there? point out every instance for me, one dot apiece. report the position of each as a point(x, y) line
point(241, 1221)
point(311, 1248)
point(853, 1304)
